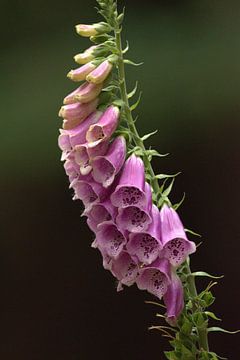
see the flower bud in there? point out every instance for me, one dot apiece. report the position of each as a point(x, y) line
point(100, 73)
point(92, 30)
point(86, 56)
point(88, 92)
point(80, 73)
point(74, 114)
point(174, 299)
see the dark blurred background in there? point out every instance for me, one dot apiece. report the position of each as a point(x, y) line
point(57, 302)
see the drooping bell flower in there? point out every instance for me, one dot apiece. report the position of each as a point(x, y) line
point(130, 189)
point(155, 278)
point(75, 114)
point(146, 246)
point(83, 155)
point(110, 239)
point(99, 213)
point(105, 127)
point(92, 30)
point(89, 191)
point(99, 74)
point(81, 73)
point(76, 136)
point(105, 168)
point(125, 269)
point(174, 299)
point(176, 246)
point(83, 94)
point(86, 56)
point(135, 218)
point(72, 169)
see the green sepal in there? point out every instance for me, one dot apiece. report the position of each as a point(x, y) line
point(192, 232)
point(206, 298)
point(212, 315)
point(135, 105)
point(177, 205)
point(205, 274)
point(133, 92)
point(99, 39)
point(219, 329)
point(147, 136)
point(130, 62)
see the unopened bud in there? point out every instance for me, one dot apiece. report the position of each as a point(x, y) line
point(92, 30)
point(98, 75)
point(80, 74)
point(86, 56)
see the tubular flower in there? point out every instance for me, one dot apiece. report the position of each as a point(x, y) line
point(83, 94)
point(105, 168)
point(174, 299)
point(74, 114)
point(99, 74)
point(176, 246)
point(134, 218)
point(146, 245)
point(80, 73)
point(131, 186)
point(110, 239)
point(100, 213)
point(105, 127)
point(155, 278)
point(86, 56)
point(125, 269)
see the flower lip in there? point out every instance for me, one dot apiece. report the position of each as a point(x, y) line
point(155, 278)
point(146, 246)
point(125, 269)
point(130, 190)
point(176, 246)
point(110, 239)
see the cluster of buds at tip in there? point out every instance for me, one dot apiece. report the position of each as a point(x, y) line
point(139, 243)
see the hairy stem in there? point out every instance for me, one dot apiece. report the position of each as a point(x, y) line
point(202, 332)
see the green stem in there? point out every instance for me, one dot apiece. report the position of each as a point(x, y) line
point(202, 332)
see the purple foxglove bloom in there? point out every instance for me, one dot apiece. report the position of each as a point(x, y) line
point(110, 239)
point(146, 245)
point(107, 260)
point(83, 155)
point(105, 168)
point(89, 192)
point(80, 73)
point(86, 56)
point(134, 218)
point(72, 170)
point(125, 269)
point(155, 278)
point(130, 189)
point(99, 213)
point(70, 138)
point(99, 74)
point(176, 246)
point(83, 94)
point(105, 127)
point(174, 299)
point(75, 114)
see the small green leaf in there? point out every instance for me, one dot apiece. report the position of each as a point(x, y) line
point(119, 102)
point(212, 315)
point(176, 206)
point(167, 191)
point(130, 62)
point(219, 329)
point(135, 105)
point(192, 232)
point(166, 176)
point(133, 92)
point(145, 137)
point(126, 48)
point(203, 273)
